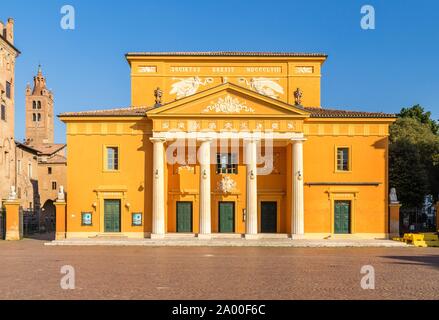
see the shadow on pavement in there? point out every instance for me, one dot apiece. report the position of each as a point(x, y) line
point(427, 260)
point(49, 236)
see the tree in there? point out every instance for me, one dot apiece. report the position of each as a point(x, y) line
point(417, 112)
point(414, 156)
point(407, 173)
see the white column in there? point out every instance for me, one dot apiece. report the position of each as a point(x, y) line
point(205, 212)
point(158, 189)
point(251, 226)
point(297, 219)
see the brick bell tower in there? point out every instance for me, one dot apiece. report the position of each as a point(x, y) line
point(39, 112)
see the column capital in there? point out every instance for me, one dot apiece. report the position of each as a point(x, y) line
point(251, 139)
point(157, 139)
point(301, 139)
point(205, 139)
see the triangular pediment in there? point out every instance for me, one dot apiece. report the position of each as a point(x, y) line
point(228, 100)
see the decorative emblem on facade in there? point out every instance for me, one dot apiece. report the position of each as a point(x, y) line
point(12, 194)
point(212, 125)
point(228, 105)
point(259, 126)
point(304, 70)
point(298, 97)
point(61, 195)
point(275, 125)
point(195, 125)
point(188, 86)
point(393, 197)
point(290, 126)
point(244, 125)
point(266, 86)
point(165, 125)
point(228, 125)
point(227, 184)
point(180, 125)
point(147, 69)
point(158, 94)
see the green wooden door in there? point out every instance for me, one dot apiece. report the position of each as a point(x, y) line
point(268, 217)
point(184, 216)
point(342, 217)
point(112, 215)
point(227, 217)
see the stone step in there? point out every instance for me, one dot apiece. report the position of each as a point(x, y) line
point(109, 236)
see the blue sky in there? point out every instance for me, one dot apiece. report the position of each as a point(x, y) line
point(393, 66)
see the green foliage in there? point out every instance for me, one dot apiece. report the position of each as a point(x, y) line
point(417, 112)
point(414, 156)
point(407, 173)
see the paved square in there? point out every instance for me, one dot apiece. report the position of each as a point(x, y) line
point(30, 270)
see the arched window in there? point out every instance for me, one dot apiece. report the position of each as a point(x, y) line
point(34, 105)
point(39, 104)
point(34, 117)
point(39, 117)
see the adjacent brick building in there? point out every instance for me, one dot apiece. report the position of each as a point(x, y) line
point(8, 55)
point(37, 166)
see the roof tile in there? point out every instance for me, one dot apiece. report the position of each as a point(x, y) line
point(337, 113)
point(123, 112)
point(229, 53)
point(315, 112)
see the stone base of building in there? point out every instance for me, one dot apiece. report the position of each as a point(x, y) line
point(365, 236)
point(251, 236)
point(213, 236)
point(60, 235)
point(194, 242)
point(157, 236)
point(13, 235)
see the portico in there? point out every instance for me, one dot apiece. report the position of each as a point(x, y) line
point(233, 189)
point(210, 193)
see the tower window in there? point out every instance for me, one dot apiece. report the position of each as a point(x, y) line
point(49, 170)
point(34, 104)
point(3, 112)
point(39, 104)
point(29, 170)
point(53, 185)
point(39, 117)
point(8, 89)
point(34, 117)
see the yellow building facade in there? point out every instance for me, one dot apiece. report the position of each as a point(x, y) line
point(227, 144)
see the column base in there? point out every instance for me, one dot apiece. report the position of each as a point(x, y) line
point(12, 236)
point(204, 236)
point(297, 236)
point(251, 236)
point(157, 236)
point(60, 236)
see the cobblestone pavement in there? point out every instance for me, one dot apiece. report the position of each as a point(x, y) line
point(30, 270)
